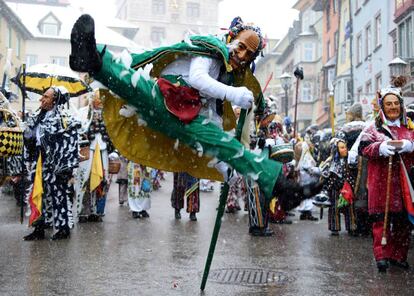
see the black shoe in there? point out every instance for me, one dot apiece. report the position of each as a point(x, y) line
point(400, 264)
point(230, 210)
point(334, 233)
point(312, 218)
point(84, 57)
point(382, 266)
point(82, 219)
point(193, 217)
point(136, 215)
point(94, 218)
point(61, 234)
point(177, 214)
point(261, 232)
point(144, 214)
point(37, 234)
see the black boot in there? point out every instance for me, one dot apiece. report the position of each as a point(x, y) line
point(63, 233)
point(193, 217)
point(144, 214)
point(260, 231)
point(177, 214)
point(37, 234)
point(382, 266)
point(84, 56)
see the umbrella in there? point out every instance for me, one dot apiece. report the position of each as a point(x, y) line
point(41, 76)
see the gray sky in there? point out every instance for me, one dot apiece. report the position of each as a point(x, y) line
point(273, 16)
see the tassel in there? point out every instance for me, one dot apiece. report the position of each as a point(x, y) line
point(383, 241)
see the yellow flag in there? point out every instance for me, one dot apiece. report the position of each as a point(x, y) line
point(96, 170)
point(35, 200)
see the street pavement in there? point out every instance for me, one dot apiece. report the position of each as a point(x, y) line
point(164, 256)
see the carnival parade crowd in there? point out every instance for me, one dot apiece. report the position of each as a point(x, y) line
point(361, 170)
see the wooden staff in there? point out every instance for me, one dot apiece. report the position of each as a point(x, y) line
point(22, 181)
point(220, 209)
point(387, 203)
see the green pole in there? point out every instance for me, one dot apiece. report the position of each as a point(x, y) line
point(220, 210)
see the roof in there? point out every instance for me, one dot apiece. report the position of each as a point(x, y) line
point(12, 18)
point(31, 15)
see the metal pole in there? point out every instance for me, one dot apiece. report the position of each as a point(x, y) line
point(296, 110)
point(286, 101)
point(299, 76)
point(220, 210)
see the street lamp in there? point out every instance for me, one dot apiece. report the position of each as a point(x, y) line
point(398, 68)
point(286, 81)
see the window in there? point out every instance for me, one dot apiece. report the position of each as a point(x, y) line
point(328, 21)
point(331, 78)
point(308, 52)
point(31, 60)
point(335, 5)
point(336, 41)
point(61, 61)
point(378, 30)
point(402, 41)
point(368, 37)
point(306, 21)
point(405, 34)
point(409, 37)
point(193, 9)
point(378, 81)
point(328, 50)
point(9, 37)
point(157, 35)
point(343, 53)
point(18, 47)
point(359, 49)
point(307, 92)
point(357, 5)
point(158, 6)
point(368, 88)
point(359, 93)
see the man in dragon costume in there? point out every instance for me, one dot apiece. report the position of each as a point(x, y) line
point(182, 96)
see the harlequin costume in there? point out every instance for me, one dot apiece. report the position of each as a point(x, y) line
point(51, 155)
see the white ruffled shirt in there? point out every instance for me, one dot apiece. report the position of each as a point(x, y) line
point(201, 73)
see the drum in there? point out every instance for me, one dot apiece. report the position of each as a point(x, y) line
point(11, 135)
point(282, 153)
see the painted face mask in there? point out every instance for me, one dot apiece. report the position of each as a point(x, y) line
point(244, 48)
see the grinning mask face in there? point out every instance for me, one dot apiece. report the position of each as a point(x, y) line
point(244, 48)
point(392, 107)
point(342, 149)
point(47, 101)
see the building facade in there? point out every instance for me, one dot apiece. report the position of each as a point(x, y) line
point(13, 38)
point(403, 19)
point(370, 47)
point(169, 21)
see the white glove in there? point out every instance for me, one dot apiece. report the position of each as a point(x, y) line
point(223, 168)
point(407, 147)
point(386, 150)
point(240, 96)
point(352, 157)
point(127, 111)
